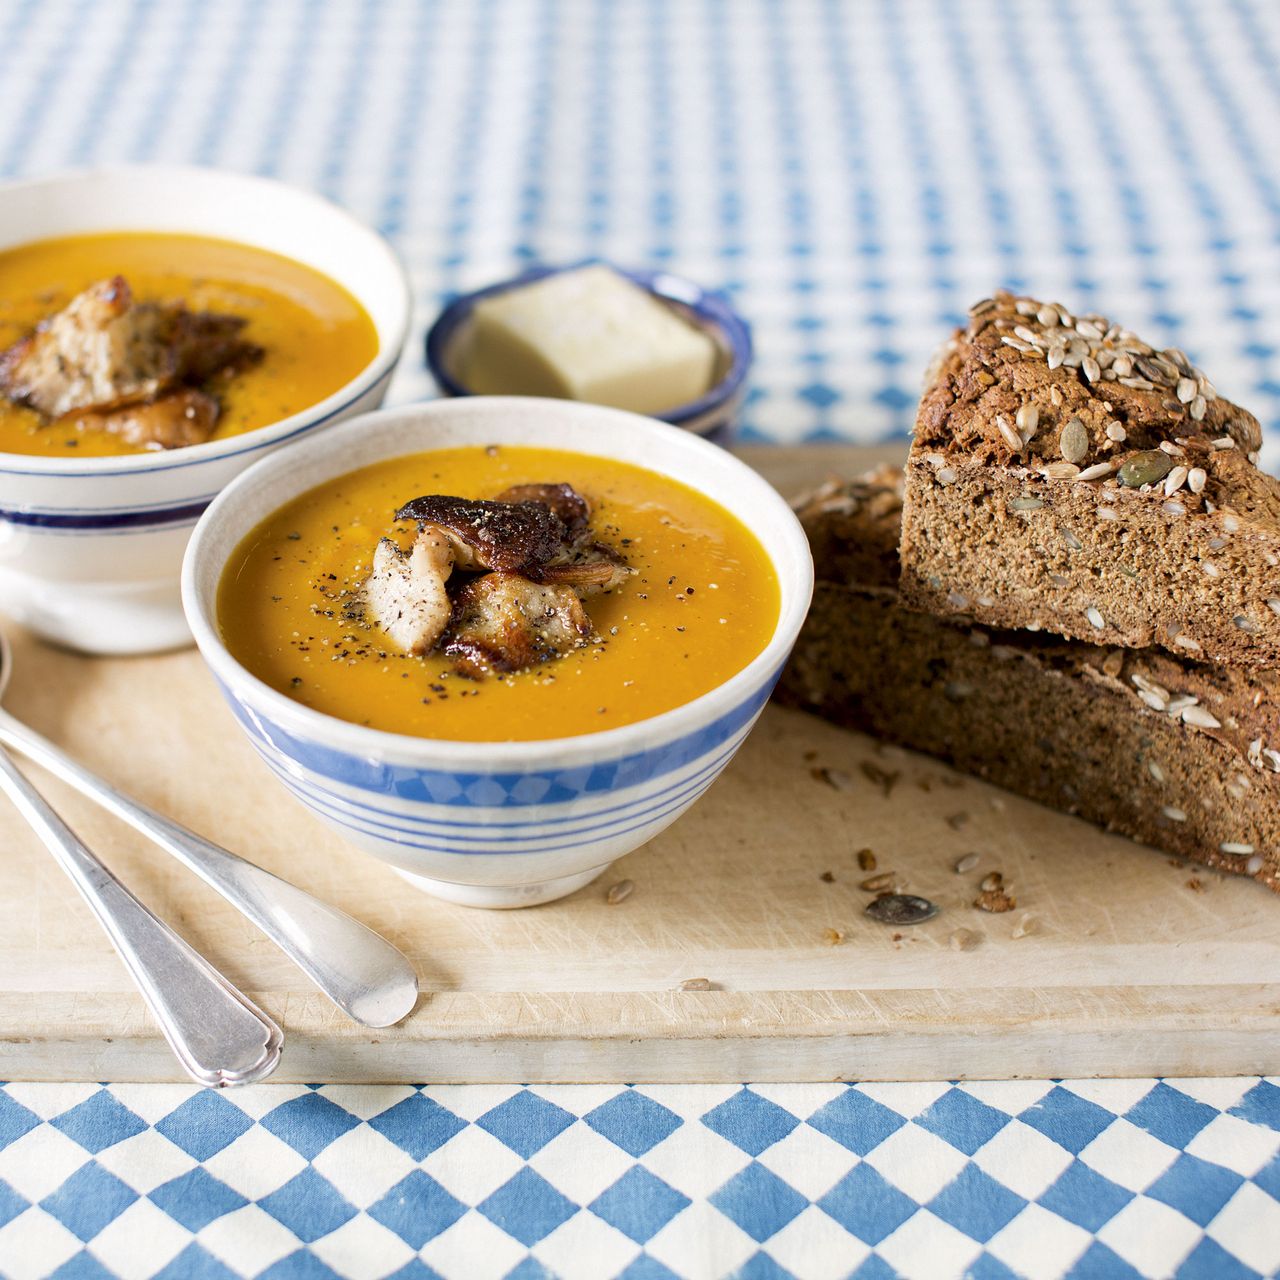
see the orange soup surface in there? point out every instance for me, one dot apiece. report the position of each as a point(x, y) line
point(315, 335)
point(703, 602)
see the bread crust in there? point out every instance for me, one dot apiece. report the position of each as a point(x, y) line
point(1177, 754)
point(1089, 499)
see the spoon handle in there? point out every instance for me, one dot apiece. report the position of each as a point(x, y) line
point(359, 970)
point(218, 1034)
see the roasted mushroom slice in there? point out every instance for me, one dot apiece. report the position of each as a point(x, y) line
point(104, 350)
point(538, 531)
point(173, 421)
point(406, 592)
point(503, 536)
point(590, 567)
point(506, 623)
point(564, 500)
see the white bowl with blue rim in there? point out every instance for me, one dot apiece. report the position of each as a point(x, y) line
point(498, 824)
point(714, 414)
point(91, 548)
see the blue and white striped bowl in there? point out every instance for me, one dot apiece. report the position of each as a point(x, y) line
point(498, 824)
point(91, 548)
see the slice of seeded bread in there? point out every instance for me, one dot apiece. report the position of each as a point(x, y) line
point(1066, 476)
point(1181, 755)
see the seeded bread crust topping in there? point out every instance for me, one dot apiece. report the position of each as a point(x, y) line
point(1179, 754)
point(1066, 475)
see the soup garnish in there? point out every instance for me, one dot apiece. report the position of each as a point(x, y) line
point(534, 545)
point(144, 371)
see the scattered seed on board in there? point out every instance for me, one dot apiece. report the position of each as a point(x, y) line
point(835, 778)
point(901, 908)
point(956, 820)
point(696, 984)
point(885, 779)
point(967, 863)
point(866, 860)
point(1027, 924)
point(873, 884)
point(620, 892)
point(964, 940)
point(991, 881)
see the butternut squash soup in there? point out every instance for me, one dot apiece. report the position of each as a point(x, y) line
point(115, 343)
point(655, 595)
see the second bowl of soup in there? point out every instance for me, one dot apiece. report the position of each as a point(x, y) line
point(160, 330)
point(489, 647)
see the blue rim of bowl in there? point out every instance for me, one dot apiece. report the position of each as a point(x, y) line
point(710, 307)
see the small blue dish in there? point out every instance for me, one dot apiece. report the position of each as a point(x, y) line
point(713, 415)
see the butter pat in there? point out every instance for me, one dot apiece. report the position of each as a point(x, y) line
point(588, 334)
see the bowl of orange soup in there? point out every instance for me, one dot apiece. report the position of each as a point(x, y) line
point(498, 642)
point(160, 330)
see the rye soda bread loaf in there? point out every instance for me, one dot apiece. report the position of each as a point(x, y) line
point(1181, 755)
point(1066, 476)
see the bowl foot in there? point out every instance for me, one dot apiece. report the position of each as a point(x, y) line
point(502, 897)
point(89, 617)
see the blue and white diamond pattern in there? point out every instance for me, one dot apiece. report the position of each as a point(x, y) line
point(1070, 1178)
point(852, 174)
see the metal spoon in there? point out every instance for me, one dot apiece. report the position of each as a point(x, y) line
point(360, 971)
point(218, 1034)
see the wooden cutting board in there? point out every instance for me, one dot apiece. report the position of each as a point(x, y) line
point(1118, 960)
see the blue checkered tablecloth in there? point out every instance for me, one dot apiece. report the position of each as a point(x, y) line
point(1087, 1178)
point(853, 174)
